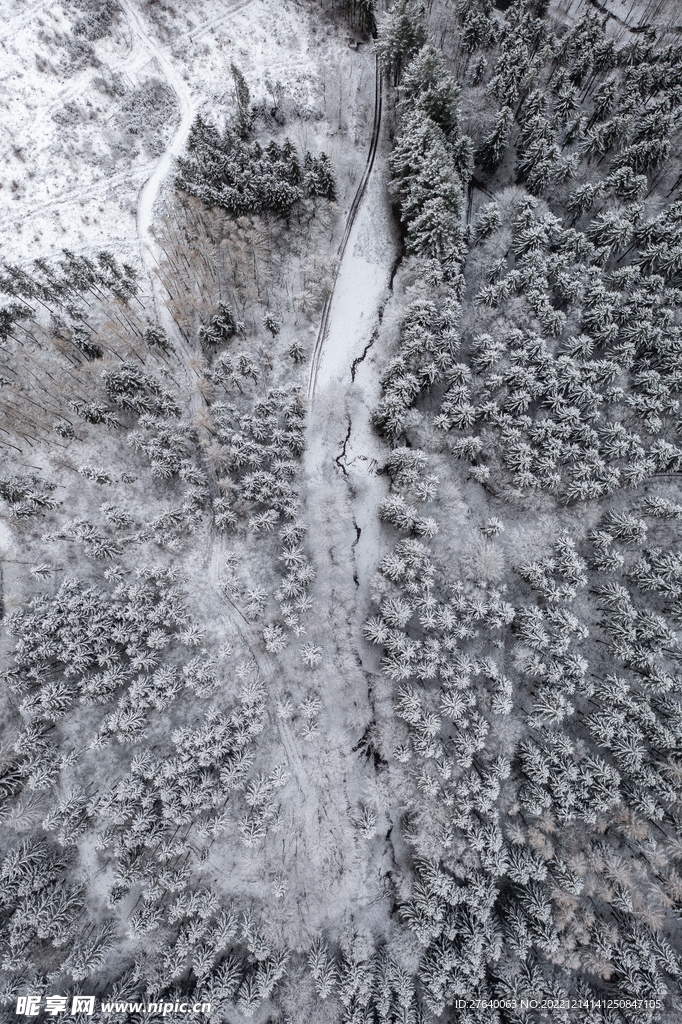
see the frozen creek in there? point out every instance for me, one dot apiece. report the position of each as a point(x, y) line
point(343, 492)
point(343, 385)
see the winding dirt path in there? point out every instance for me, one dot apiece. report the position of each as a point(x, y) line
point(304, 822)
point(150, 191)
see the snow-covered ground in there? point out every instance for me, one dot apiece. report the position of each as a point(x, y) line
point(343, 491)
point(83, 129)
point(624, 16)
point(340, 436)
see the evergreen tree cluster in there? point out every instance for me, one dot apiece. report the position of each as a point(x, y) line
point(225, 170)
point(131, 388)
point(94, 18)
point(544, 813)
point(122, 651)
point(369, 983)
point(40, 908)
point(586, 402)
point(429, 340)
point(258, 451)
point(568, 375)
point(540, 738)
point(26, 496)
point(432, 160)
point(64, 283)
point(85, 646)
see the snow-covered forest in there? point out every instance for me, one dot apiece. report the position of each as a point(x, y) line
point(341, 511)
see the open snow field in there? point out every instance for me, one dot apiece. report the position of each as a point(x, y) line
point(86, 124)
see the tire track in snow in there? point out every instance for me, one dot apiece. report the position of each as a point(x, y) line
point(93, 191)
point(311, 810)
point(350, 221)
point(218, 21)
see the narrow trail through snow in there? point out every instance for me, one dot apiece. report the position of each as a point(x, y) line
point(323, 333)
point(150, 191)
